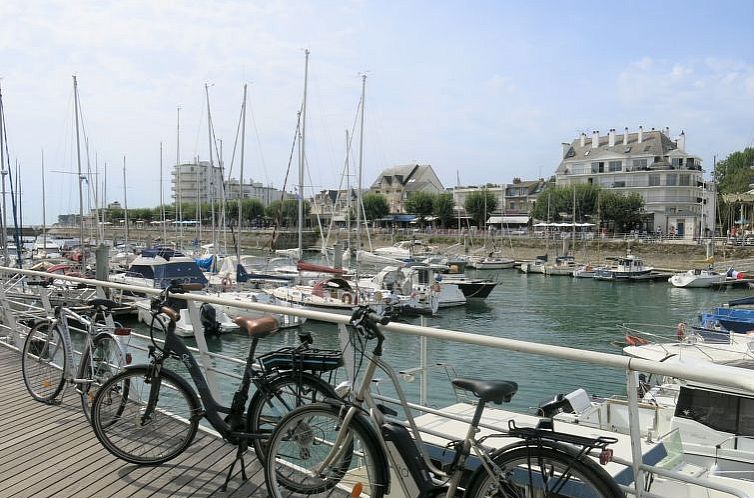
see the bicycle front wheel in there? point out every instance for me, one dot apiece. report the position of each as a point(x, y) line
point(98, 365)
point(145, 419)
point(544, 472)
point(276, 397)
point(44, 362)
point(306, 457)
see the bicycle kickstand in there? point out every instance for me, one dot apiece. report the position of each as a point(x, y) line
point(242, 446)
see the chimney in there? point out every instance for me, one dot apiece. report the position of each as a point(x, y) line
point(641, 134)
point(667, 131)
point(595, 139)
point(680, 142)
point(625, 136)
point(583, 138)
point(611, 137)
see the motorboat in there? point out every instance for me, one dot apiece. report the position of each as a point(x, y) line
point(158, 268)
point(492, 261)
point(332, 295)
point(536, 266)
point(563, 265)
point(405, 249)
point(584, 271)
point(697, 277)
point(629, 267)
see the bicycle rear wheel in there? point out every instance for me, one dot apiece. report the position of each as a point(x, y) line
point(139, 431)
point(98, 365)
point(44, 362)
point(276, 397)
point(544, 472)
point(302, 442)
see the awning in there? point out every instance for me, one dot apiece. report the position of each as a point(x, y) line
point(404, 217)
point(508, 220)
point(339, 217)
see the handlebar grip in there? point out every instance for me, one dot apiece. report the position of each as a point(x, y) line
point(377, 318)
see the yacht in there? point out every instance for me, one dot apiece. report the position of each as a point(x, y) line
point(629, 267)
point(697, 278)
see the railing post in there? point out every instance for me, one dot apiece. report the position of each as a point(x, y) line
point(635, 431)
point(425, 373)
point(201, 344)
point(10, 319)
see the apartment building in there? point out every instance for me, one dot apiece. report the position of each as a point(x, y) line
point(398, 182)
point(677, 200)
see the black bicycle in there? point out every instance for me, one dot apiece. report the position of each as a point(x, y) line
point(149, 414)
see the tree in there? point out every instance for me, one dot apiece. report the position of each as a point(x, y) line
point(625, 211)
point(443, 208)
point(375, 206)
point(420, 203)
point(479, 205)
point(734, 173)
point(285, 212)
point(556, 203)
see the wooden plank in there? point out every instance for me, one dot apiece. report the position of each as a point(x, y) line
point(51, 451)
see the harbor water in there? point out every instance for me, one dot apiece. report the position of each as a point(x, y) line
point(563, 311)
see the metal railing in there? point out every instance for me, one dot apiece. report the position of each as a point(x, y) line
point(708, 373)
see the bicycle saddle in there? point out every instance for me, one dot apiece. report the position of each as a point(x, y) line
point(257, 327)
point(496, 391)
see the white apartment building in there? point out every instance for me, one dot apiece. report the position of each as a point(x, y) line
point(198, 182)
point(677, 200)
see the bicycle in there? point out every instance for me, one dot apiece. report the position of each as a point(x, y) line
point(47, 358)
point(348, 447)
point(149, 414)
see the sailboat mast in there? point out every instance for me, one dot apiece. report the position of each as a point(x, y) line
point(302, 161)
point(573, 228)
point(125, 203)
point(240, 179)
point(348, 190)
point(210, 170)
point(178, 207)
point(162, 202)
point(81, 177)
point(3, 172)
point(44, 217)
point(361, 161)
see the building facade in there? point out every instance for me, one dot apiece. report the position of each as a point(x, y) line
point(677, 200)
point(398, 182)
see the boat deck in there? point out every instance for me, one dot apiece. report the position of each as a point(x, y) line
point(51, 451)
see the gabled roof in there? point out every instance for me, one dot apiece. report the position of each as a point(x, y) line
point(411, 177)
point(654, 143)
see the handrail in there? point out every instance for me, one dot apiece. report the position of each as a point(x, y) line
point(707, 373)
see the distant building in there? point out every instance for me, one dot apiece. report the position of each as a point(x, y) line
point(520, 196)
point(669, 179)
point(398, 182)
point(333, 205)
point(198, 182)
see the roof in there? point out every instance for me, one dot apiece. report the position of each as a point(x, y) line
point(513, 220)
point(654, 143)
point(411, 177)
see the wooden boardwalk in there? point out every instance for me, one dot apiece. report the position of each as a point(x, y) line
point(51, 451)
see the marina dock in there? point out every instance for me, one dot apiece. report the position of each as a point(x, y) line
point(51, 451)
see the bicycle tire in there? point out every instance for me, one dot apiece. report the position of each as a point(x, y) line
point(306, 436)
point(119, 411)
point(526, 470)
point(44, 362)
point(99, 364)
point(277, 396)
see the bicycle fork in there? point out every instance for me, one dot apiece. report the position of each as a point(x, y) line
point(154, 380)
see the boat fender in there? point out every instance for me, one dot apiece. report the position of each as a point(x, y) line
point(633, 340)
point(680, 331)
point(347, 298)
point(225, 283)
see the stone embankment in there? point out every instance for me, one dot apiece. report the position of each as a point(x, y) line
point(670, 254)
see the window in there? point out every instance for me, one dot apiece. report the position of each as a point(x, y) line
point(598, 167)
point(512, 206)
point(677, 162)
point(654, 180)
point(717, 410)
point(615, 166)
point(639, 163)
point(671, 180)
point(685, 180)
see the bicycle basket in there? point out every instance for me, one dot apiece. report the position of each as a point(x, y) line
point(288, 358)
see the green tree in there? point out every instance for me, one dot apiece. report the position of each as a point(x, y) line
point(734, 173)
point(420, 203)
point(624, 211)
point(556, 203)
point(443, 208)
point(285, 212)
point(375, 206)
point(479, 205)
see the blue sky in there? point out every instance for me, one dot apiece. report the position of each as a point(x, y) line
point(483, 91)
